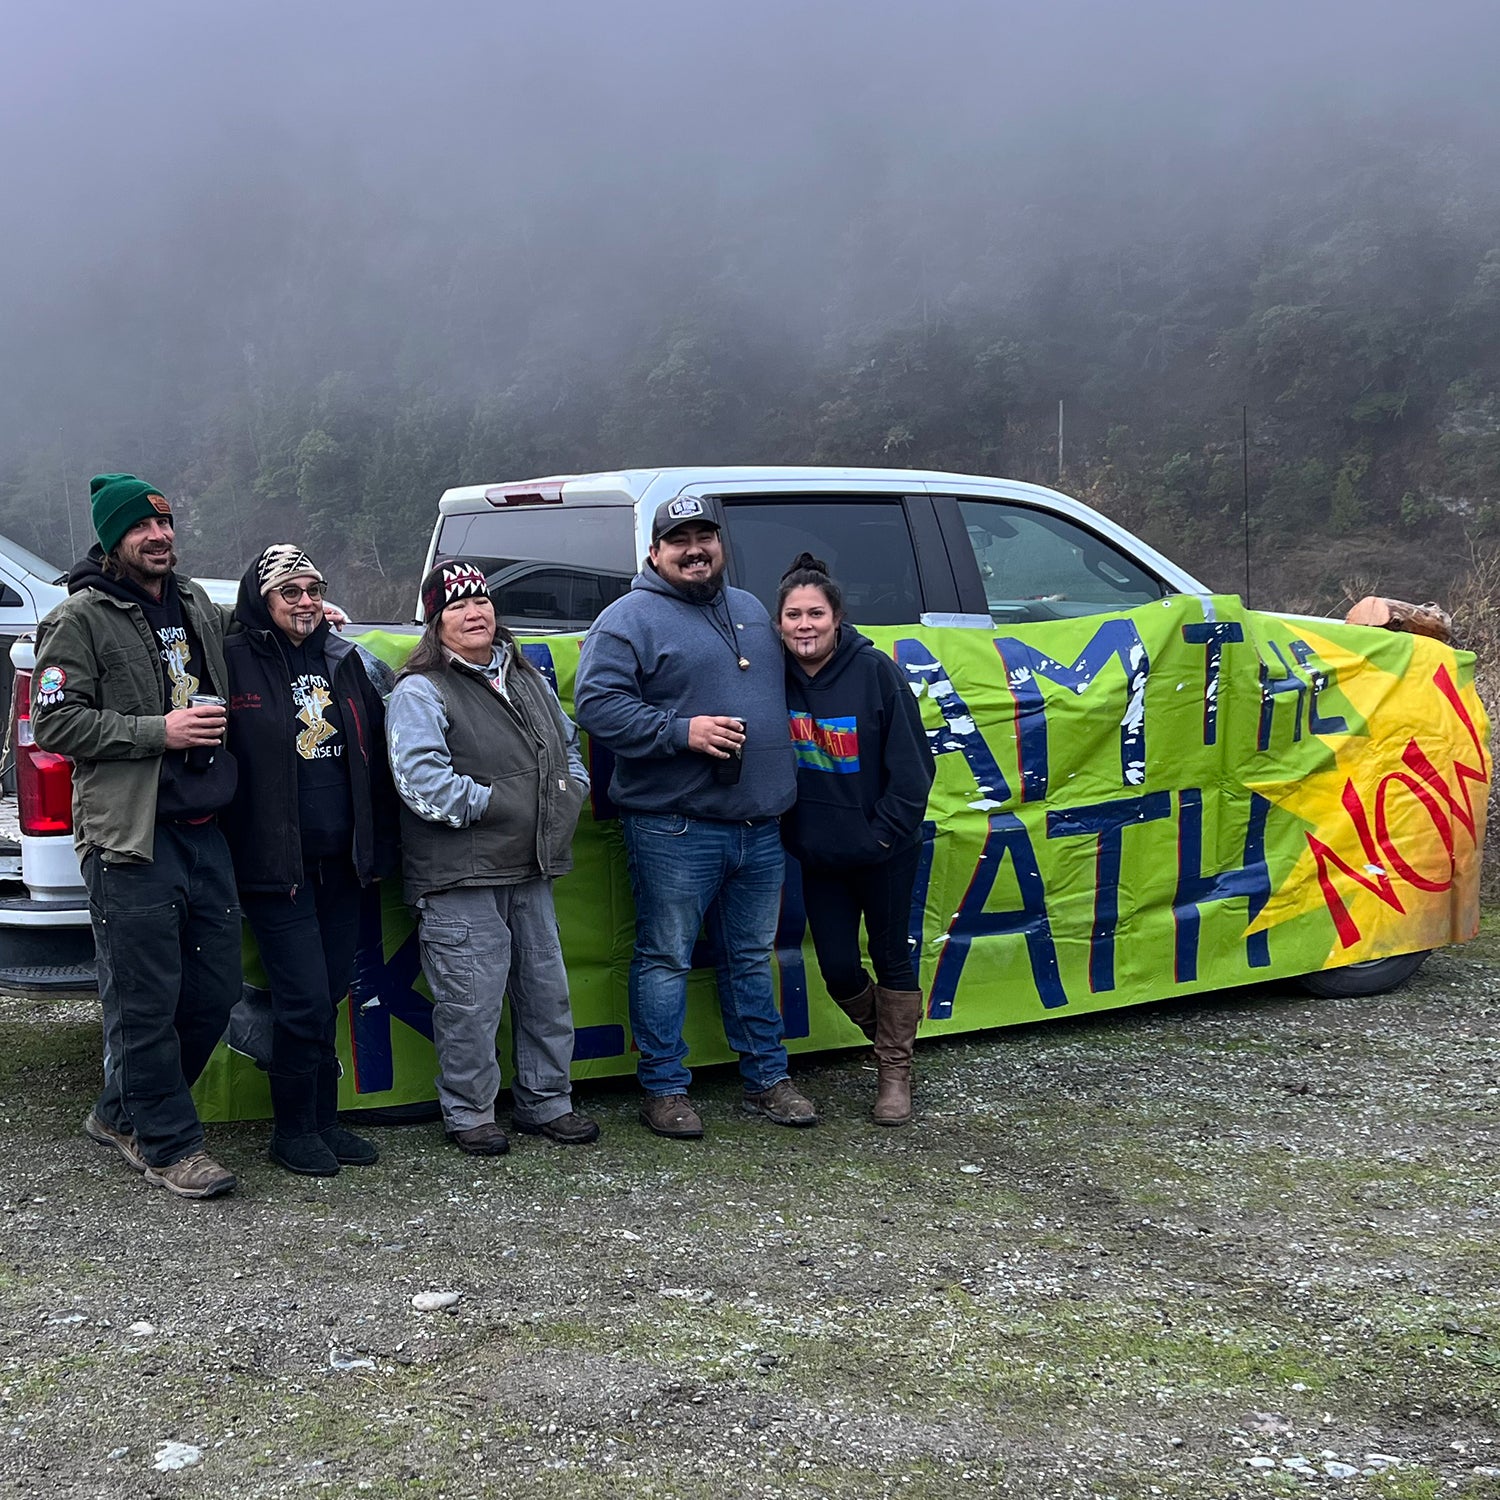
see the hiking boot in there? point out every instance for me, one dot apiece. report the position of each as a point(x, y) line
point(481, 1140)
point(195, 1176)
point(673, 1116)
point(122, 1141)
point(783, 1104)
point(571, 1129)
point(306, 1155)
point(349, 1150)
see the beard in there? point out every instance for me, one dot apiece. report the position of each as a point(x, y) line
point(123, 567)
point(699, 593)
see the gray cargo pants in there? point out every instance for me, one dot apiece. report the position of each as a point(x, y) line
point(478, 944)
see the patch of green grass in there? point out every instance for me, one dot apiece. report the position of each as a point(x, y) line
point(1407, 1483)
point(951, 1350)
point(1485, 948)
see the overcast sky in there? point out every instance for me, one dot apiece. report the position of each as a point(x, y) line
point(172, 171)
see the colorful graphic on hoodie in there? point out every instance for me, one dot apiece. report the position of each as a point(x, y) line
point(826, 744)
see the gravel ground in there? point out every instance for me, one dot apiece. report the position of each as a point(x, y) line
point(1242, 1246)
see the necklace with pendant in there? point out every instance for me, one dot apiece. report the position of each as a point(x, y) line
point(727, 634)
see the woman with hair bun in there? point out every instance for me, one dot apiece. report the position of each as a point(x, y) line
point(864, 769)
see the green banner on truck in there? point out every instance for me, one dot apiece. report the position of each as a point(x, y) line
point(1180, 798)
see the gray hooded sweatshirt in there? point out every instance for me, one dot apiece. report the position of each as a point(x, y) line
point(654, 660)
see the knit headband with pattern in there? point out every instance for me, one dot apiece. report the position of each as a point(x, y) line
point(282, 562)
point(449, 581)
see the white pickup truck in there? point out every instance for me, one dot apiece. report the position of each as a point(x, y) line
point(911, 548)
point(910, 545)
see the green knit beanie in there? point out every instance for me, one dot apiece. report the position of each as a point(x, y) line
point(119, 501)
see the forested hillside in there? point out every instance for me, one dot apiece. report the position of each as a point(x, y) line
point(1342, 284)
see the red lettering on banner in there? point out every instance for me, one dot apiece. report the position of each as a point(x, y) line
point(1432, 789)
point(1373, 878)
point(1476, 775)
point(1439, 821)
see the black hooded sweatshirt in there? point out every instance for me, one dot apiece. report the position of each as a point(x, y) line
point(307, 727)
point(864, 766)
point(183, 795)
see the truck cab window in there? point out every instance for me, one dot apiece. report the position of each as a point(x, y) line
point(866, 544)
point(549, 569)
point(1037, 566)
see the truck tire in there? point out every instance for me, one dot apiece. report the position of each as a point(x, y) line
point(1374, 977)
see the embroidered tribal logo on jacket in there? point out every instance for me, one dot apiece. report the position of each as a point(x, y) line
point(826, 744)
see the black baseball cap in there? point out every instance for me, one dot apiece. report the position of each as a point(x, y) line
point(670, 514)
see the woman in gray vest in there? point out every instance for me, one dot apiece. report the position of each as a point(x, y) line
point(491, 783)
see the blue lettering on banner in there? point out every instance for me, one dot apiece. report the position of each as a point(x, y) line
point(959, 732)
point(1252, 880)
point(1115, 640)
point(791, 924)
point(1321, 681)
point(540, 656)
point(385, 990)
point(1007, 836)
point(1271, 688)
point(1107, 822)
point(1214, 635)
point(382, 990)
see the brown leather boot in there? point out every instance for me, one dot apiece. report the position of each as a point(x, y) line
point(897, 1014)
point(861, 1010)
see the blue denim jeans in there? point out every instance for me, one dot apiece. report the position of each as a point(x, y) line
point(688, 873)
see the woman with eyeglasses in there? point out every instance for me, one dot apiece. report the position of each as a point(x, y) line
point(313, 823)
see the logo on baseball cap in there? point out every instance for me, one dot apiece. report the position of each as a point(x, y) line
point(671, 514)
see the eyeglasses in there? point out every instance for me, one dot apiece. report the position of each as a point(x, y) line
point(292, 592)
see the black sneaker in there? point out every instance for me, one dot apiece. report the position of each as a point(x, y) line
point(571, 1129)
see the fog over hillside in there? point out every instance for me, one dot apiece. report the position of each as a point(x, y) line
point(586, 234)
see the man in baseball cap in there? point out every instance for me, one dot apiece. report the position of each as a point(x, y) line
point(686, 510)
point(683, 680)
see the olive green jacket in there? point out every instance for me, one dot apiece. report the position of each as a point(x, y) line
point(96, 697)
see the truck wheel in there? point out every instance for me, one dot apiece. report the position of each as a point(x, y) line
point(1374, 977)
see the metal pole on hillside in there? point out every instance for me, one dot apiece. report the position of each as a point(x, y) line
point(1245, 490)
point(1059, 438)
point(67, 498)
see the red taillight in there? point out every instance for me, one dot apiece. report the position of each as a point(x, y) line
point(44, 782)
point(525, 494)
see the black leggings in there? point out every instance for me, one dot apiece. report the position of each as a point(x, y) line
point(836, 897)
point(307, 940)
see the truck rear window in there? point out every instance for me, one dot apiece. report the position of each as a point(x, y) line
point(866, 544)
point(549, 568)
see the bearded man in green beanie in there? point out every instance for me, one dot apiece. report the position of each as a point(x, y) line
point(130, 683)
